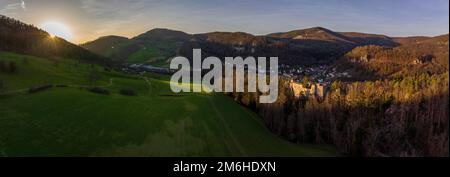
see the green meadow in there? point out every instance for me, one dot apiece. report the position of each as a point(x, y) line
point(72, 121)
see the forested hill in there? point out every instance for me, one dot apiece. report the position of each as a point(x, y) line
point(300, 47)
point(18, 37)
point(418, 56)
point(310, 46)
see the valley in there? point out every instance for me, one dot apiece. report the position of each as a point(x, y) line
point(72, 121)
point(340, 93)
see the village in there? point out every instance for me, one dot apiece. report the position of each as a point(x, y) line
point(318, 84)
point(318, 79)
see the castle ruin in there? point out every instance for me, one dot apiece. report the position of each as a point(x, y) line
point(315, 90)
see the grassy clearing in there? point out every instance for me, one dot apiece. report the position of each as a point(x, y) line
point(154, 53)
point(75, 122)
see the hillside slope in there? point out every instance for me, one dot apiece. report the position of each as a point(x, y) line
point(428, 55)
point(155, 46)
point(23, 38)
point(114, 47)
point(316, 33)
point(299, 47)
point(68, 120)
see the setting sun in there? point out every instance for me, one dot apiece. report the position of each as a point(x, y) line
point(57, 29)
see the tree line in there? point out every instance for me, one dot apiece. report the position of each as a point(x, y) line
point(391, 117)
point(22, 38)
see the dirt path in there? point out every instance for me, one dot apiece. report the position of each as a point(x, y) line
point(227, 128)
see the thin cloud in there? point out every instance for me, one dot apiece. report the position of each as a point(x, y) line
point(22, 4)
point(12, 8)
point(113, 8)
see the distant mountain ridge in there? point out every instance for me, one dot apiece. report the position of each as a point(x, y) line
point(310, 46)
point(162, 34)
point(316, 33)
point(155, 45)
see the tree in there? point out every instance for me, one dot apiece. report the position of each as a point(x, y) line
point(25, 60)
point(12, 67)
point(3, 67)
point(55, 63)
point(336, 86)
point(2, 86)
point(306, 81)
point(93, 76)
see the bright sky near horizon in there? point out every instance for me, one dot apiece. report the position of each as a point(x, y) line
point(89, 19)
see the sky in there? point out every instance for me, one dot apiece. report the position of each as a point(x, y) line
point(87, 20)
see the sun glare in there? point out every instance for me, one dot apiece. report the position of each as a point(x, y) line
point(57, 29)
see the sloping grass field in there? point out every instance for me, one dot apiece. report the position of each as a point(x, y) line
point(71, 121)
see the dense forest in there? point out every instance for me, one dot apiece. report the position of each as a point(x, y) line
point(400, 117)
point(395, 103)
point(27, 39)
point(427, 55)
